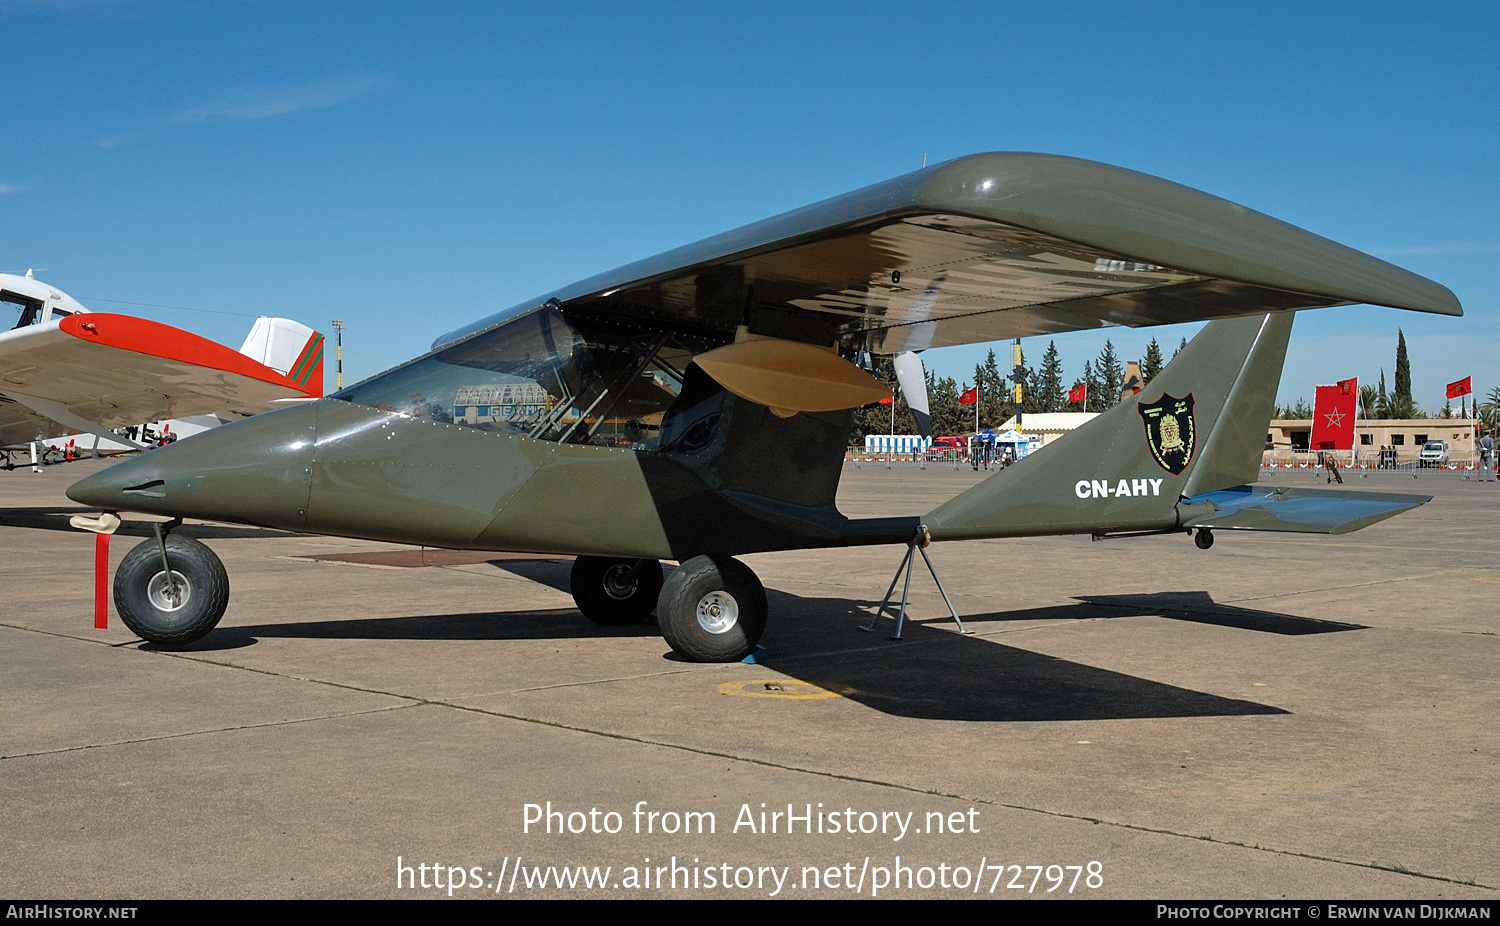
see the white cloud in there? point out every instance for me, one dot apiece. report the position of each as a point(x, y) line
point(8, 188)
point(279, 100)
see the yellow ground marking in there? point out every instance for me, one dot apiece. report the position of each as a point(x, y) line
point(1478, 579)
point(781, 688)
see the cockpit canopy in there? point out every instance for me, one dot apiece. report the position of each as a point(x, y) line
point(549, 373)
point(32, 302)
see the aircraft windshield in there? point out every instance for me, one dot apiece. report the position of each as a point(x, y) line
point(25, 311)
point(547, 374)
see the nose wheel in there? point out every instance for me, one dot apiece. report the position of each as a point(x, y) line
point(712, 609)
point(615, 592)
point(171, 590)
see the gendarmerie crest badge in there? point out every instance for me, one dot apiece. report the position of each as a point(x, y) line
point(1169, 431)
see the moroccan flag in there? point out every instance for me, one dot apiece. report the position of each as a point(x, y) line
point(970, 396)
point(1333, 416)
point(1078, 393)
point(1462, 387)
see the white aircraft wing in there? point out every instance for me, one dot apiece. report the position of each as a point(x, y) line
point(97, 371)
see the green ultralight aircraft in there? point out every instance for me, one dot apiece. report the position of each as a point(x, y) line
point(697, 405)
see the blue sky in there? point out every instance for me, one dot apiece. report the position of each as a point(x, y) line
point(411, 167)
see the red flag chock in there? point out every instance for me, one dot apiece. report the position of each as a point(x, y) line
point(1462, 387)
point(1078, 393)
point(970, 396)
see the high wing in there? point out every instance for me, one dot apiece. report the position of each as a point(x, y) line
point(994, 246)
point(93, 372)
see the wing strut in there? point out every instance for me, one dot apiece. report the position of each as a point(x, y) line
point(62, 415)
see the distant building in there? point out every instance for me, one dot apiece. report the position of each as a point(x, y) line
point(1286, 436)
point(506, 403)
point(1048, 426)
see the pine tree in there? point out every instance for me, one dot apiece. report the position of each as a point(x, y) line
point(1029, 386)
point(1051, 396)
point(1180, 347)
point(1091, 386)
point(876, 418)
point(1111, 374)
point(994, 398)
point(1151, 364)
point(1403, 368)
point(948, 416)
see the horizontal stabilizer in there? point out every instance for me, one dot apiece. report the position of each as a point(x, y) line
point(1281, 508)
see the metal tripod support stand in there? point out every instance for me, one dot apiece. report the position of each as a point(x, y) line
point(917, 544)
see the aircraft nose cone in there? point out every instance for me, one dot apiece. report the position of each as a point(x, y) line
point(256, 471)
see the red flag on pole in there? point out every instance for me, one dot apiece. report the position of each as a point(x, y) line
point(887, 400)
point(1078, 393)
point(1333, 416)
point(1462, 387)
point(970, 396)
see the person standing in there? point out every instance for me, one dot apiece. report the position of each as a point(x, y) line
point(1487, 457)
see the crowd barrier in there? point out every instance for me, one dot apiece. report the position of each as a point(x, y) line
point(1367, 463)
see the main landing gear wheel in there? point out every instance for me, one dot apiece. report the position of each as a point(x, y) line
point(1204, 538)
point(175, 611)
point(712, 609)
point(615, 592)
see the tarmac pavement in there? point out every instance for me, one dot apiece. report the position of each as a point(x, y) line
point(1280, 716)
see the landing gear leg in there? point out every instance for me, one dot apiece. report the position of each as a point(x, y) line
point(171, 590)
point(1204, 538)
point(712, 609)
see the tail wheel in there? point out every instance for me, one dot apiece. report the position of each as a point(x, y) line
point(171, 608)
point(615, 592)
point(712, 609)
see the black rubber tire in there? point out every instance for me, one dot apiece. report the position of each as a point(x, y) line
point(691, 585)
point(615, 592)
point(204, 577)
point(1204, 538)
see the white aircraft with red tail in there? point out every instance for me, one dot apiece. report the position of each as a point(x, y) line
point(67, 370)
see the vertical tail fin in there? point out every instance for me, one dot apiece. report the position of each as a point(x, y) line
point(291, 349)
point(1200, 425)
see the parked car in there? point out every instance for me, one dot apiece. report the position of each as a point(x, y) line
point(943, 448)
point(1434, 453)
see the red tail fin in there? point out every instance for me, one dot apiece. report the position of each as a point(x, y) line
point(307, 372)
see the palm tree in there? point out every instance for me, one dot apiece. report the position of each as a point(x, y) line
point(1489, 410)
point(1402, 406)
